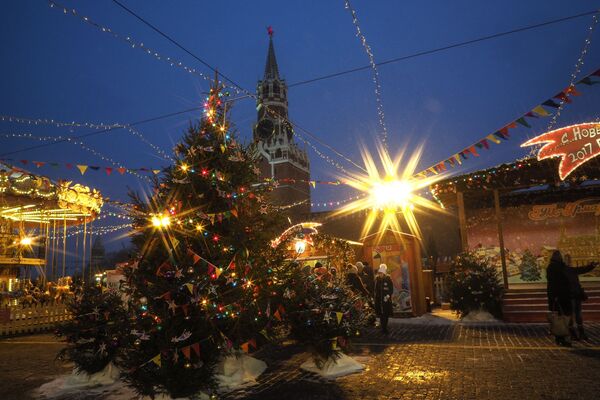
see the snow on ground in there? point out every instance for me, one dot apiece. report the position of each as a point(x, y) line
point(332, 369)
point(479, 316)
point(239, 370)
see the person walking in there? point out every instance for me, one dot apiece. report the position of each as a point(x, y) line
point(354, 282)
point(384, 288)
point(558, 290)
point(577, 295)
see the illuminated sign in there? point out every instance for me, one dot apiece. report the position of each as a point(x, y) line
point(575, 144)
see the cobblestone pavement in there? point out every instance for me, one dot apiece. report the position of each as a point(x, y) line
point(446, 361)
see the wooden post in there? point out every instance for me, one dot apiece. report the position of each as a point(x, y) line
point(501, 238)
point(462, 221)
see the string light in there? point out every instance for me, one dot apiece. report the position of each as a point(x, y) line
point(338, 202)
point(132, 43)
point(373, 65)
point(90, 125)
point(81, 144)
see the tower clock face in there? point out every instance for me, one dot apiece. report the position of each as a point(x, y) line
point(265, 129)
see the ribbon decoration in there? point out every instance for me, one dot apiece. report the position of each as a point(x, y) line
point(504, 134)
point(575, 145)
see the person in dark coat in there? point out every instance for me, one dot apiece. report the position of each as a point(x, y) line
point(367, 276)
point(354, 281)
point(577, 294)
point(559, 290)
point(384, 288)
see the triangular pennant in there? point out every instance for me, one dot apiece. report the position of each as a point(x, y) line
point(572, 91)
point(277, 315)
point(69, 165)
point(252, 342)
point(54, 164)
point(595, 73)
point(194, 256)
point(244, 347)
point(121, 170)
point(550, 103)
point(156, 360)
point(94, 168)
point(432, 170)
point(451, 162)
point(463, 154)
point(222, 148)
point(156, 171)
point(108, 170)
point(588, 81)
point(24, 162)
point(457, 158)
point(539, 110)
point(186, 352)
point(234, 212)
point(196, 348)
point(492, 138)
point(563, 96)
point(82, 168)
point(523, 122)
point(39, 163)
point(190, 287)
point(530, 114)
point(313, 184)
point(473, 151)
point(339, 316)
point(500, 135)
point(218, 272)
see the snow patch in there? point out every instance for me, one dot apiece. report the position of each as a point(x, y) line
point(238, 370)
point(479, 316)
point(75, 382)
point(332, 369)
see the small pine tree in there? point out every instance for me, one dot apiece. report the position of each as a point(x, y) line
point(322, 313)
point(530, 270)
point(474, 284)
point(96, 333)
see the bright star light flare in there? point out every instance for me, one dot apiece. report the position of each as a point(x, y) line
point(391, 195)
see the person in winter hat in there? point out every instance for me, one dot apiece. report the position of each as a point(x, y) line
point(577, 295)
point(368, 277)
point(354, 281)
point(384, 288)
point(558, 290)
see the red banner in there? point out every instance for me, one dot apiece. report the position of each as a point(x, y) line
point(575, 144)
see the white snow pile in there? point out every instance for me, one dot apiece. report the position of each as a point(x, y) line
point(62, 386)
point(332, 369)
point(425, 319)
point(479, 316)
point(238, 370)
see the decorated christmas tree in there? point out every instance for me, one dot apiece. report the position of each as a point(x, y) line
point(95, 335)
point(530, 270)
point(474, 285)
point(202, 285)
point(322, 313)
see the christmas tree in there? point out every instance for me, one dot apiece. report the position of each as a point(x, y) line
point(95, 334)
point(203, 281)
point(322, 313)
point(530, 270)
point(473, 285)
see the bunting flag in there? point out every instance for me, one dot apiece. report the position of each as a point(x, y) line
point(156, 360)
point(244, 347)
point(277, 315)
point(339, 316)
point(196, 348)
point(186, 352)
point(190, 287)
point(563, 96)
point(82, 168)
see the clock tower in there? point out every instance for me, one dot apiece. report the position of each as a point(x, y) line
point(280, 157)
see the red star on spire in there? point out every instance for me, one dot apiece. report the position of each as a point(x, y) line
point(270, 31)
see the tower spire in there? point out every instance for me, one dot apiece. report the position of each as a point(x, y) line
point(271, 68)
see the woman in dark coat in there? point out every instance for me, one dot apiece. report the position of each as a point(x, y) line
point(384, 288)
point(559, 292)
point(367, 276)
point(577, 294)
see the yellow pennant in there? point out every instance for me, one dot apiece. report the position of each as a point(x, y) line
point(339, 317)
point(82, 168)
point(457, 158)
point(539, 110)
point(222, 148)
point(190, 287)
point(493, 138)
point(218, 272)
point(156, 360)
point(314, 184)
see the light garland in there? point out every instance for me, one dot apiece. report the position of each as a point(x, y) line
point(369, 52)
point(131, 42)
point(81, 144)
point(96, 231)
point(576, 71)
point(338, 202)
point(61, 124)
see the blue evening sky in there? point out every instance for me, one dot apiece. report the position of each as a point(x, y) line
point(56, 66)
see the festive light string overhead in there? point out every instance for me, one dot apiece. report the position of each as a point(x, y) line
point(81, 144)
point(576, 70)
point(130, 41)
point(60, 124)
point(373, 65)
point(338, 202)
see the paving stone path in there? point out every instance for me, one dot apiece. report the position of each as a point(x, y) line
point(416, 361)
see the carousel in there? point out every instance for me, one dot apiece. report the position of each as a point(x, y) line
point(35, 214)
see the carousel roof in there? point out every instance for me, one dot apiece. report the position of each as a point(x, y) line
point(35, 199)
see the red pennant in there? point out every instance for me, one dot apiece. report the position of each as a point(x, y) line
point(24, 162)
point(196, 348)
point(473, 151)
point(39, 163)
point(231, 265)
point(186, 352)
point(252, 342)
point(504, 131)
point(595, 73)
point(277, 315)
point(121, 170)
point(512, 125)
point(108, 170)
point(69, 165)
point(194, 256)
point(562, 96)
